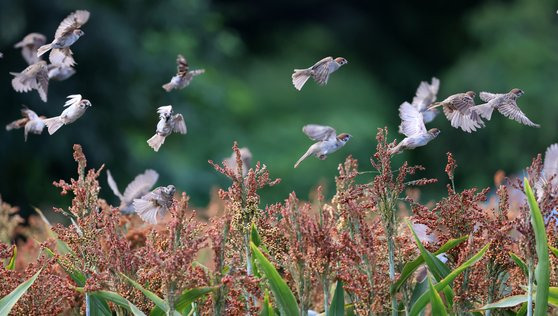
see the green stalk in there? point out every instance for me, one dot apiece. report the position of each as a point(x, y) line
point(325, 285)
point(530, 289)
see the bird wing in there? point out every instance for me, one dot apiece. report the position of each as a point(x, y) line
point(426, 94)
point(462, 102)
point(178, 124)
point(73, 21)
point(181, 65)
point(512, 111)
point(74, 99)
point(487, 96)
point(165, 110)
point(320, 70)
point(42, 80)
point(62, 57)
point(319, 132)
point(30, 114)
point(550, 167)
point(113, 186)
point(411, 120)
point(141, 184)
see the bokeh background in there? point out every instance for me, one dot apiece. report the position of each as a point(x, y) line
point(249, 49)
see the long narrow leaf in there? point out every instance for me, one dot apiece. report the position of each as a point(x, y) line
point(74, 273)
point(520, 263)
point(436, 302)
point(118, 300)
point(97, 306)
point(337, 307)
point(423, 299)
point(11, 263)
point(8, 301)
point(189, 296)
point(267, 309)
point(284, 297)
point(506, 302)
point(159, 302)
point(553, 250)
point(542, 271)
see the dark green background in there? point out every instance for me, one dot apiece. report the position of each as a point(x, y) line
point(249, 49)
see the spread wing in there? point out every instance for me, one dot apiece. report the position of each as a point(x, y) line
point(181, 65)
point(320, 70)
point(426, 94)
point(462, 103)
point(74, 99)
point(113, 186)
point(140, 185)
point(550, 167)
point(411, 120)
point(42, 80)
point(62, 57)
point(30, 114)
point(178, 124)
point(72, 22)
point(486, 96)
point(319, 132)
point(512, 111)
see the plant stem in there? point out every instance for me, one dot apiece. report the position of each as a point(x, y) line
point(325, 285)
point(530, 288)
point(391, 250)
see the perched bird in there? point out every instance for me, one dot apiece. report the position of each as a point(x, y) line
point(412, 126)
point(29, 46)
point(458, 110)
point(60, 72)
point(154, 204)
point(327, 141)
point(426, 95)
point(245, 157)
point(31, 122)
point(76, 107)
point(320, 71)
point(68, 33)
point(140, 186)
point(183, 75)
point(168, 123)
point(34, 77)
point(506, 103)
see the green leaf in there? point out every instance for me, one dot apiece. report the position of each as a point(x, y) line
point(98, 306)
point(423, 299)
point(74, 273)
point(411, 266)
point(553, 250)
point(506, 302)
point(8, 301)
point(189, 296)
point(11, 263)
point(118, 300)
point(436, 302)
point(542, 271)
point(522, 310)
point(284, 297)
point(267, 309)
point(255, 236)
point(337, 307)
point(159, 302)
point(520, 263)
point(553, 296)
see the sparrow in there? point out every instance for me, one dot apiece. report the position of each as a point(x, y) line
point(549, 173)
point(154, 204)
point(458, 110)
point(68, 33)
point(245, 157)
point(76, 107)
point(506, 103)
point(327, 141)
point(140, 186)
point(424, 97)
point(320, 71)
point(183, 75)
point(60, 72)
point(168, 123)
point(29, 46)
point(34, 77)
point(412, 126)
point(31, 122)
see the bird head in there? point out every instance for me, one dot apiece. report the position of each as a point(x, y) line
point(517, 92)
point(79, 32)
point(434, 132)
point(471, 94)
point(170, 189)
point(341, 61)
point(85, 103)
point(344, 137)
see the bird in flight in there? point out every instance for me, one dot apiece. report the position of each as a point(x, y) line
point(319, 72)
point(327, 139)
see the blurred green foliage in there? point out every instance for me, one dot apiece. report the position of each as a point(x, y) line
point(249, 51)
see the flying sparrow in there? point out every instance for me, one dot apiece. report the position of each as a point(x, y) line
point(183, 75)
point(425, 96)
point(68, 33)
point(76, 108)
point(31, 122)
point(154, 204)
point(549, 172)
point(327, 141)
point(168, 123)
point(412, 126)
point(34, 77)
point(29, 46)
point(60, 72)
point(458, 110)
point(320, 71)
point(245, 157)
point(140, 186)
point(506, 103)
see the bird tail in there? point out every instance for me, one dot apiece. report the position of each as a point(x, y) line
point(300, 76)
point(434, 105)
point(43, 49)
point(397, 149)
point(156, 141)
point(146, 210)
point(53, 124)
point(168, 86)
point(484, 110)
point(306, 155)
